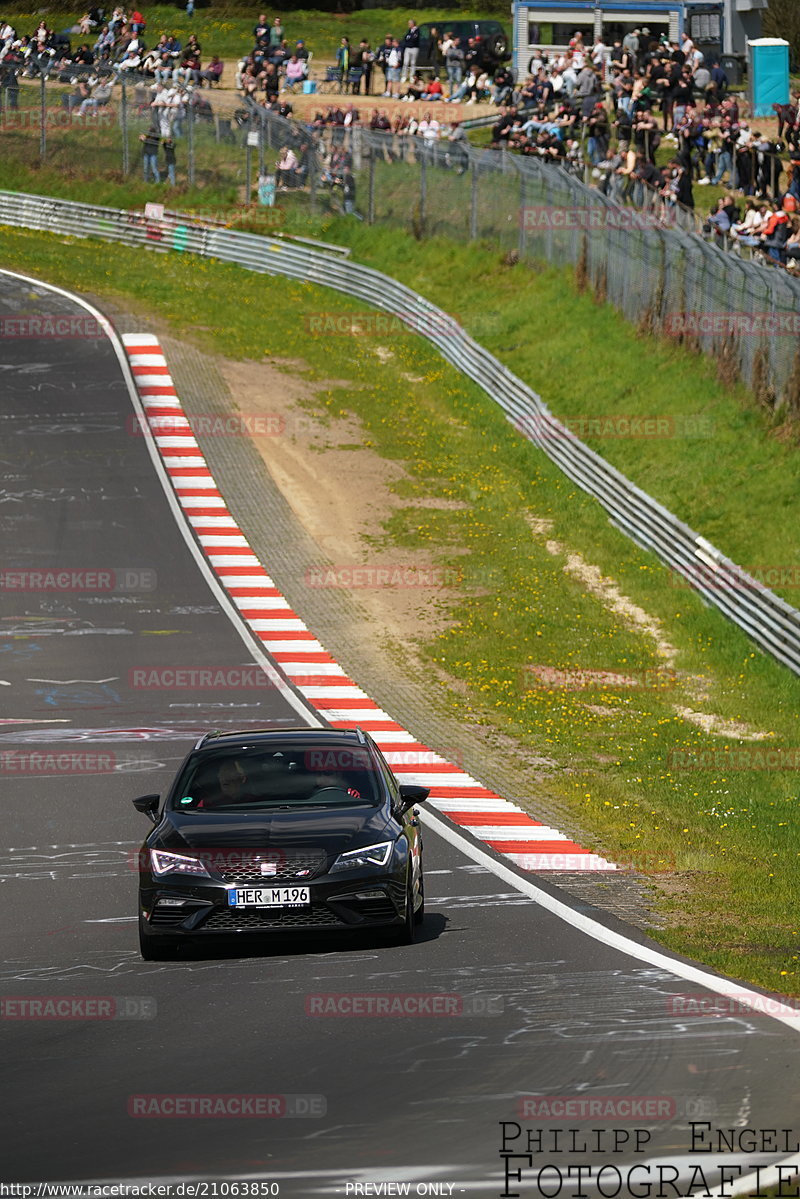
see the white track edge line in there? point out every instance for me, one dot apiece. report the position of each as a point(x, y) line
point(309, 715)
point(599, 932)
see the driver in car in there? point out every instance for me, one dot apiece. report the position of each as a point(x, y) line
point(232, 786)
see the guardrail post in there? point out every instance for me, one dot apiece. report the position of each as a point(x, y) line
point(123, 120)
point(473, 201)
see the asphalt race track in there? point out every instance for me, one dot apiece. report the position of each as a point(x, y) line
point(507, 1013)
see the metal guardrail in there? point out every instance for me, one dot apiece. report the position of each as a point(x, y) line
point(772, 623)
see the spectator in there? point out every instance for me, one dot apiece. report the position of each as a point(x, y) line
point(295, 73)
point(286, 169)
point(433, 91)
point(150, 143)
point(410, 50)
point(365, 60)
point(454, 65)
point(169, 157)
point(276, 34)
point(213, 72)
point(393, 60)
point(343, 59)
point(503, 86)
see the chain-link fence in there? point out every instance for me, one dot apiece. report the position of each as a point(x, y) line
point(99, 118)
point(657, 271)
point(645, 259)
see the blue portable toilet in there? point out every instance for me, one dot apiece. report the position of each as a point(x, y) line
point(768, 72)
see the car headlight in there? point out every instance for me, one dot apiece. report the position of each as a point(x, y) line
point(370, 855)
point(162, 863)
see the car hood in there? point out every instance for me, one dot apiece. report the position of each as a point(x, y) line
point(329, 831)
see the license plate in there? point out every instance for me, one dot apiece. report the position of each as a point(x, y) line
point(269, 897)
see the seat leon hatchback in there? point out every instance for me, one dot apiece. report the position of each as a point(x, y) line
point(303, 830)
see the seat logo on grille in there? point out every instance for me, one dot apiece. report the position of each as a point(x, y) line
point(269, 868)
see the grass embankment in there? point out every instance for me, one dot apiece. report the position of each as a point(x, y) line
point(728, 838)
point(230, 33)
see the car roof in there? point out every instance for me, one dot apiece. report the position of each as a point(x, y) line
point(301, 735)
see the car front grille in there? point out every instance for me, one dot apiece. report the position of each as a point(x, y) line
point(285, 863)
point(229, 919)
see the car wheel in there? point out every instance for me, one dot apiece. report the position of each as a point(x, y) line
point(419, 915)
point(406, 933)
point(154, 949)
point(498, 46)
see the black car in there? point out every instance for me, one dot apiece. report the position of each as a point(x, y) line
point(491, 41)
point(301, 830)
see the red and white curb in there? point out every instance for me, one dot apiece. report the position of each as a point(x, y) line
point(317, 676)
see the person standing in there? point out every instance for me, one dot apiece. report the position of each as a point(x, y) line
point(364, 59)
point(454, 63)
point(150, 143)
point(343, 59)
point(169, 158)
point(410, 50)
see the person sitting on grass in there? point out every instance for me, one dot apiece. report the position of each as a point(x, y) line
point(295, 73)
point(433, 91)
point(414, 89)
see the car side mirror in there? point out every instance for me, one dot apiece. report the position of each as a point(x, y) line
point(148, 804)
point(410, 794)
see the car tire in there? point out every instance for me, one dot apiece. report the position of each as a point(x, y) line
point(419, 915)
point(406, 934)
point(155, 949)
point(498, 46)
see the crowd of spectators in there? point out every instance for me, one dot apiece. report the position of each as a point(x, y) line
point(112, 45)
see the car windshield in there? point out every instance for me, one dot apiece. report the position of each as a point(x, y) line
point(278, 777)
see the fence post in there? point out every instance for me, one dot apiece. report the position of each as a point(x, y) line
point(123, 117)
point(260, 148)
point(190, 164)
point(423, 190)
point(248, 170)
point(473, 201)
point(371, 192)
point(521, 217)
point(43, 114)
